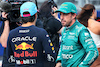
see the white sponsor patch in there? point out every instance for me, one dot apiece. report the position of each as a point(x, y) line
point(67, 56)
point(91, 46)
point(24, 31)
point(87, 40)
point(58, 56)
point(67, 47)
point(26, 61)
point(71, 37)
point(11, 59)
point(86, 34)
point(71, 33)
point(47, 35)
point(26, 38)
point(76, 26)
point(49, 41)
point(93, 58)
point(50, 58)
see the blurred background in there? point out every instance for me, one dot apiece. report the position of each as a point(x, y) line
point(78, 3)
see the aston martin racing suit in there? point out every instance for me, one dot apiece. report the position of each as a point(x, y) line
point(77, 47)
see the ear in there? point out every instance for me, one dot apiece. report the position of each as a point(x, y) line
point(74, 15)
point(20, 15)
point(93, 12)
point(35, 18)
point(36, 15)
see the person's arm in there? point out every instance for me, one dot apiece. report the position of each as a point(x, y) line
point(56, 25)
point(48, 47)
point(60, 30)
point(55, 14)
point(58, 60)
point(9, 50)
point(4, 35)
point(90, 48)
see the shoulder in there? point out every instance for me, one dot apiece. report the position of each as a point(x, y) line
point(40, 30)
point(94, 23)
point(84, 33)
point(83, 30)
point(94, 26)
point(14, 30)
point(79, 26)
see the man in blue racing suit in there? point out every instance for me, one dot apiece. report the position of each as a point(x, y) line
point(29, 44)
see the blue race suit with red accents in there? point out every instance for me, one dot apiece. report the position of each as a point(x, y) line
point(29, 46)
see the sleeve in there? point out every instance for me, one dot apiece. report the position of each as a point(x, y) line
point(48, 47)
point(59, 55)
point(9, 52)
point(58, 25)
point(90, 48)
point(60, 50)
point(1, 27)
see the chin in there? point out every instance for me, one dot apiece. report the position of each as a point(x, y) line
point(64, 25)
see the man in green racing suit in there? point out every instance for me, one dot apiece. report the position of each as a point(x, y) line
point(77, 46)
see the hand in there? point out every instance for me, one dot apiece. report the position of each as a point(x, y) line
point(58, 64)
point(4, 15)
point(55, 14)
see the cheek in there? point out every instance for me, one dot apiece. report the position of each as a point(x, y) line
point(61, 17)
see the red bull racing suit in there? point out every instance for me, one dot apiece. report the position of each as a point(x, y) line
point(29, 46)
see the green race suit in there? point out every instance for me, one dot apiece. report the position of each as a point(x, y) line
point(77, 47)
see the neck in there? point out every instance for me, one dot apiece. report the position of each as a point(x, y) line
point(73, 21)
point(28, 24)
point(91, 18)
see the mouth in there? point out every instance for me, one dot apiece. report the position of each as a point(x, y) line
point(63, 21)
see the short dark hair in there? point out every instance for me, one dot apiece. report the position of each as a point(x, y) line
point(27, 19)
